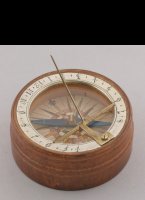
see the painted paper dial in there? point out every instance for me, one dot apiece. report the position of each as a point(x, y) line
point(48, 117)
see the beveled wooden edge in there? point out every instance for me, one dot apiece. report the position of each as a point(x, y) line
point(15, 124)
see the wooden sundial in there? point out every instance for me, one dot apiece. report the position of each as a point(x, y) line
point(71, 129)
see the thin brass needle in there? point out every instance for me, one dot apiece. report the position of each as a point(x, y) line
point(63, 80)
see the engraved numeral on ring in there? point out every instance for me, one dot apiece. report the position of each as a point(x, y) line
point(23, 101)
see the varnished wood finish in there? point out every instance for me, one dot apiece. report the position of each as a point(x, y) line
point(72, 171)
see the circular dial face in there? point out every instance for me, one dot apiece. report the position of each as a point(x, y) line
point(47, 115)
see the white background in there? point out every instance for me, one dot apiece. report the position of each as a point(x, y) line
point(123, 64)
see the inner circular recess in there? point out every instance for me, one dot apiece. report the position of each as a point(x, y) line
point(53, 114)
